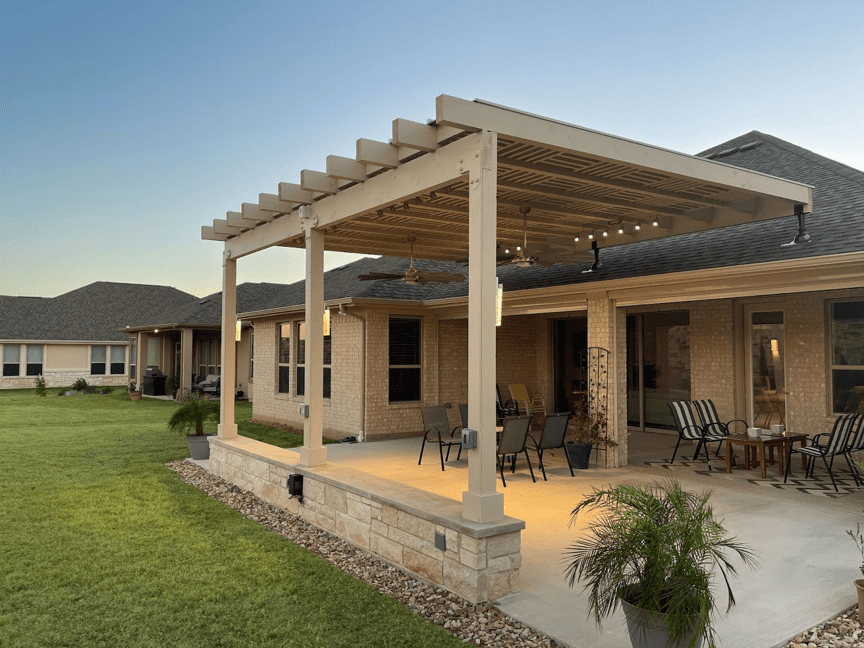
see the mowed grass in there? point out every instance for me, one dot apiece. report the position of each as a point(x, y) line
point(102, 545)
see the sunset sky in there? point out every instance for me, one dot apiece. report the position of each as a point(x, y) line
point(125, 127)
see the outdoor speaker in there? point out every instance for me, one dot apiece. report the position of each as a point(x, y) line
point(295, 486)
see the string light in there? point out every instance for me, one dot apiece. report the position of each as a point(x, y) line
point(638, 225)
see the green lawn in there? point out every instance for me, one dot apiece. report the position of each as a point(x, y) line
point(102, 545)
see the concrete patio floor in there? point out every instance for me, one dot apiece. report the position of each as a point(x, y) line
point(807, 562)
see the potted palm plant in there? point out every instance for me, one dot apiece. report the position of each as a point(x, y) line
point(653, 550)
point(190, 418)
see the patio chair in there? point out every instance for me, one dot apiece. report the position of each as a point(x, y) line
point(503, 408)
point(855, 443)
point(211, 385)
point(711, 422)
point(552, 436)
point(836, 444)
point(689, 430)
point(512, 442)
point(526, 404)
point(435, 425)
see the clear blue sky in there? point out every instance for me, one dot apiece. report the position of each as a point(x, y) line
point(126, 126)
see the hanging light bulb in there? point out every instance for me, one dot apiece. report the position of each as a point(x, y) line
point(605, 232)
point(591, 235)
point(654, 222)
point(638, 225)
point(576, 238)
point(620, 228)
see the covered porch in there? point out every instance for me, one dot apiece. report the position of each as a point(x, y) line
point(477, 180)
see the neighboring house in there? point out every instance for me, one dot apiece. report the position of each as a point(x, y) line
point(184, 340)
point(727, 314)
point(76, 334)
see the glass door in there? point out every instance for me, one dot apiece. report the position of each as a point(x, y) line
point(767, 368)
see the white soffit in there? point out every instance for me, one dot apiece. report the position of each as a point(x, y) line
point(574, 180)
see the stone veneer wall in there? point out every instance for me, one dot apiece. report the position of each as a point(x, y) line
point(391, 520)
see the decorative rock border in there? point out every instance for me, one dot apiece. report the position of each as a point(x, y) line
point(843, 631)
point(478, 624)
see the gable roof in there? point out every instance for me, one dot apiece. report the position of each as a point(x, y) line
point(836, 226)
point(91, 313)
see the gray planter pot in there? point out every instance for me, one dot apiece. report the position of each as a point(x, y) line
point(199, 446)
point(649, 631)
point(579, 454)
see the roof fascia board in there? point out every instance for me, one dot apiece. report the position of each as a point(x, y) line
point(413, 178)
point(476, 115)
point(109, 342)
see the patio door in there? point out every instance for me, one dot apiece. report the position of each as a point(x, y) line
point(570, 338)
point(766, 367)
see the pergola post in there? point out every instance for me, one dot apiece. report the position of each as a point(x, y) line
point(227, 427)
point(482, 502)
point(313, 452)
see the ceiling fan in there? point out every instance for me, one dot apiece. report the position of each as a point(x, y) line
point(413, 276)
point(522, 259)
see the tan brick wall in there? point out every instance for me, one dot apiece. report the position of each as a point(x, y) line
point(712, 354)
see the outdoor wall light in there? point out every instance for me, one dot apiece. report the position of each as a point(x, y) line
point(295, 486)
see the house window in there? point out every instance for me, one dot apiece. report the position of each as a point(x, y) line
point(118, 360)
point(34, 359)
point(97, 360)
point(11, 359)
point(251, 356)
point(404, 376)
point(847, 361)
point(285, 358)
point(301, 361)
point(208, 357)
point(154, 347)
point(133, 358)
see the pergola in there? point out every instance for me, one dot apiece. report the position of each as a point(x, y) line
point(460, 184)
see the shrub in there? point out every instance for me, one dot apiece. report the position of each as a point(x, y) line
point(80, 385)
point(41, 389)
point(191, 416)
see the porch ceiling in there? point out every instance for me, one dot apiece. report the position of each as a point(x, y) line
point(574, 181)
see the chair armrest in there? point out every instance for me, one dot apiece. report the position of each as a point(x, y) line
point(816, 439)
point(745, 423)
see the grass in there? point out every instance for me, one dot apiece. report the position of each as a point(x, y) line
point(102, 545)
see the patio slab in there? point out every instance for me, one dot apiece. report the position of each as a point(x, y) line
point(807, 562)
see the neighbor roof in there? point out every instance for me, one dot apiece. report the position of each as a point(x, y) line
point(836, 226)
point(91, 313)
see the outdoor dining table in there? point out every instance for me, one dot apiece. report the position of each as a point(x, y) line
point(759, 444)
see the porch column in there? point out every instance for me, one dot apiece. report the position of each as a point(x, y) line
point(141, 360)
point(186, 349)
point(482, 502)
point(603, 332)
point(227, 426)
point(313, 452)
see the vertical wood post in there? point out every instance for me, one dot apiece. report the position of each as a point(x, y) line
point(227, 427)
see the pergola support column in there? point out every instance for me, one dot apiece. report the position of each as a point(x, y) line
point(227, 427)
point(482, 502)
point(313, 452)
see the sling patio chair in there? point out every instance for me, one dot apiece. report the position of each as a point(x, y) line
point(711, 422)
point(512, 442)
point(503, 408)
point(526, 404)
point(551, 437)
point(835, 444)
point(854, 444)
point(689, 430)
point(436, 426)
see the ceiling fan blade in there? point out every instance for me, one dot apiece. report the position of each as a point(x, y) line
point(380, 276)
point(439, 277)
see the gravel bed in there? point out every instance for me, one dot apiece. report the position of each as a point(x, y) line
point(477, 624)
point(842, 631)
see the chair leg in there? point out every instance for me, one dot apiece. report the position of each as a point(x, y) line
point(501, 466)
point(707, 455)
point(441, 451)
point(852, 468)
point(672, 460)
point(528, 459)
point(830, 472)
point(540, 460)
point(422, 447)
point(788, 463)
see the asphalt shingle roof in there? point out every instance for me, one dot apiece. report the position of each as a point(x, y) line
point(836, 226)
point(93, 312)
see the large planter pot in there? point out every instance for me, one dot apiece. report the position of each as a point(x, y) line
point(649, 631)
point(579, 454)
point(136, 395)
point(859, 585)
point(199, 446)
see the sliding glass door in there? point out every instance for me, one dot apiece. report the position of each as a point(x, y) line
point(767, 367)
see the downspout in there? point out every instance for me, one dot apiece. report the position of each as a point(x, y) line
point(361, 435)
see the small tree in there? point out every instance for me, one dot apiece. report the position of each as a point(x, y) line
point(191, 416)
point(41, 388)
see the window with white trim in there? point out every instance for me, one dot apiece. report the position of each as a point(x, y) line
point(118, 360)
point(404, 363)
point(11, 360)
point(847, 356)
point(133, 357)
point(97, 360)
point(283, 384)
point(301, 361)
point(34, 359)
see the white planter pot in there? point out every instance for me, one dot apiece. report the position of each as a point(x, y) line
point(647, 631)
